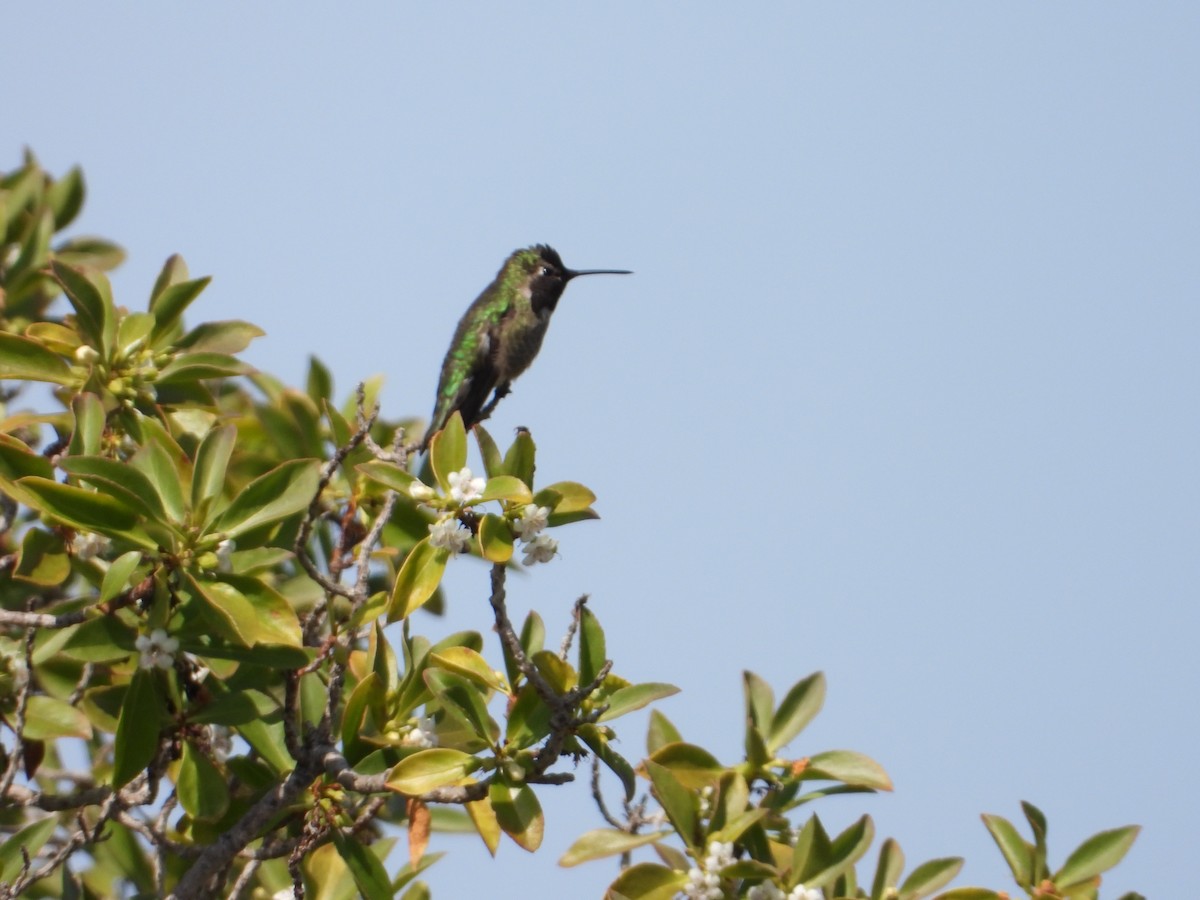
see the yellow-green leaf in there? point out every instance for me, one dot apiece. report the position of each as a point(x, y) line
point(417, 579)
point(427, 770)
point(495, 539)
point(448, 450)
point(518, 813)
point(201, 788)
point(602, 842)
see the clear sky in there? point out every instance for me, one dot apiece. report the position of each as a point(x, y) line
point(905, 387)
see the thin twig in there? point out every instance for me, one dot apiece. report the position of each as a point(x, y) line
point(573, 627)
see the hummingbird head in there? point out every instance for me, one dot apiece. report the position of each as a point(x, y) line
point(544, 277)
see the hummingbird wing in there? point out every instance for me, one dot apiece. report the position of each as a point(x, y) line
point(470, 371)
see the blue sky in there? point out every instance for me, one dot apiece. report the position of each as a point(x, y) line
point(905, 387)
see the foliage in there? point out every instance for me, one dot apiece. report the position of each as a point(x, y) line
point(197, 692)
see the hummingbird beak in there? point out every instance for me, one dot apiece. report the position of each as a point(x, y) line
point(568, 274)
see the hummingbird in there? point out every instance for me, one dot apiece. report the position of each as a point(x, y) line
point(500, 334)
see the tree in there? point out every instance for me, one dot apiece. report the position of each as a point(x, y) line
point(196, 566)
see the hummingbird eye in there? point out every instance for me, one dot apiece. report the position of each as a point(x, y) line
point(545, 270)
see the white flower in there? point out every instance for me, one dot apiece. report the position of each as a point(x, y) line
point(765, 891)
point(224, 555)
point(420, 491)
point(449, 534)
point(464, 488)
point(719, 856)
point(156, 649)
point(703, 885)
point(422, 736)
point(705, 804)
point(800, 892)
point(541, 549)
point(85, 354)
point(88, 546)
point(533, 520)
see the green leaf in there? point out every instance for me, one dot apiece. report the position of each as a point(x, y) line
point(528, 719)
point(285, 490)
point(65, 198)
point(122, 482)
point(971, 893)
point(227, 609)
point(132, 331)
point(417, 579)
point(47, 719)
point(90, 251)
point(42, 559)
point(519, 460)
point(506, 487)
point(848, 767)
point(319, 383)
point(592, 650)
point(1017, 852)
point(448, 451)
point(847, 848)
point(647, 881)
point(1037, 822)
point(566, 497)
point(268, 656)
point(116, 579)
point(137, 731)
point(461, 699)
point(18, 461)
point(234, 708)
point(368, 872)
point(102, 639)
point(90, 419)
point(228, 337)
point(677, 801)
point(760, 700)
point(156, 464)
point(660, 732)
point(189, 367)
point(492, 463)
point(208, 473)
point(604, 842)
point(276, 617)
point(427, 770)
point(733, 831)
point(388, 474)
point(35, 244)
point(366, 694)
point(627, 699)
point(31, 839)
point(495, 539)
point(24, 360)
point(888, 869)
point(930, 876)
point(85, 510)
point(693, 766)
point(173, 297)
point(470, 664)
point(53, 336)
point(201, 787)
point(598, 741)
point(798, 708)
point(91, 296)
point(518, 813)
point(1097, 854)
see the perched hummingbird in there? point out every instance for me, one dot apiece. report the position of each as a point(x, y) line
point(501, 332)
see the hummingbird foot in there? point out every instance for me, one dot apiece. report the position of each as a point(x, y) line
point(502, 391)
